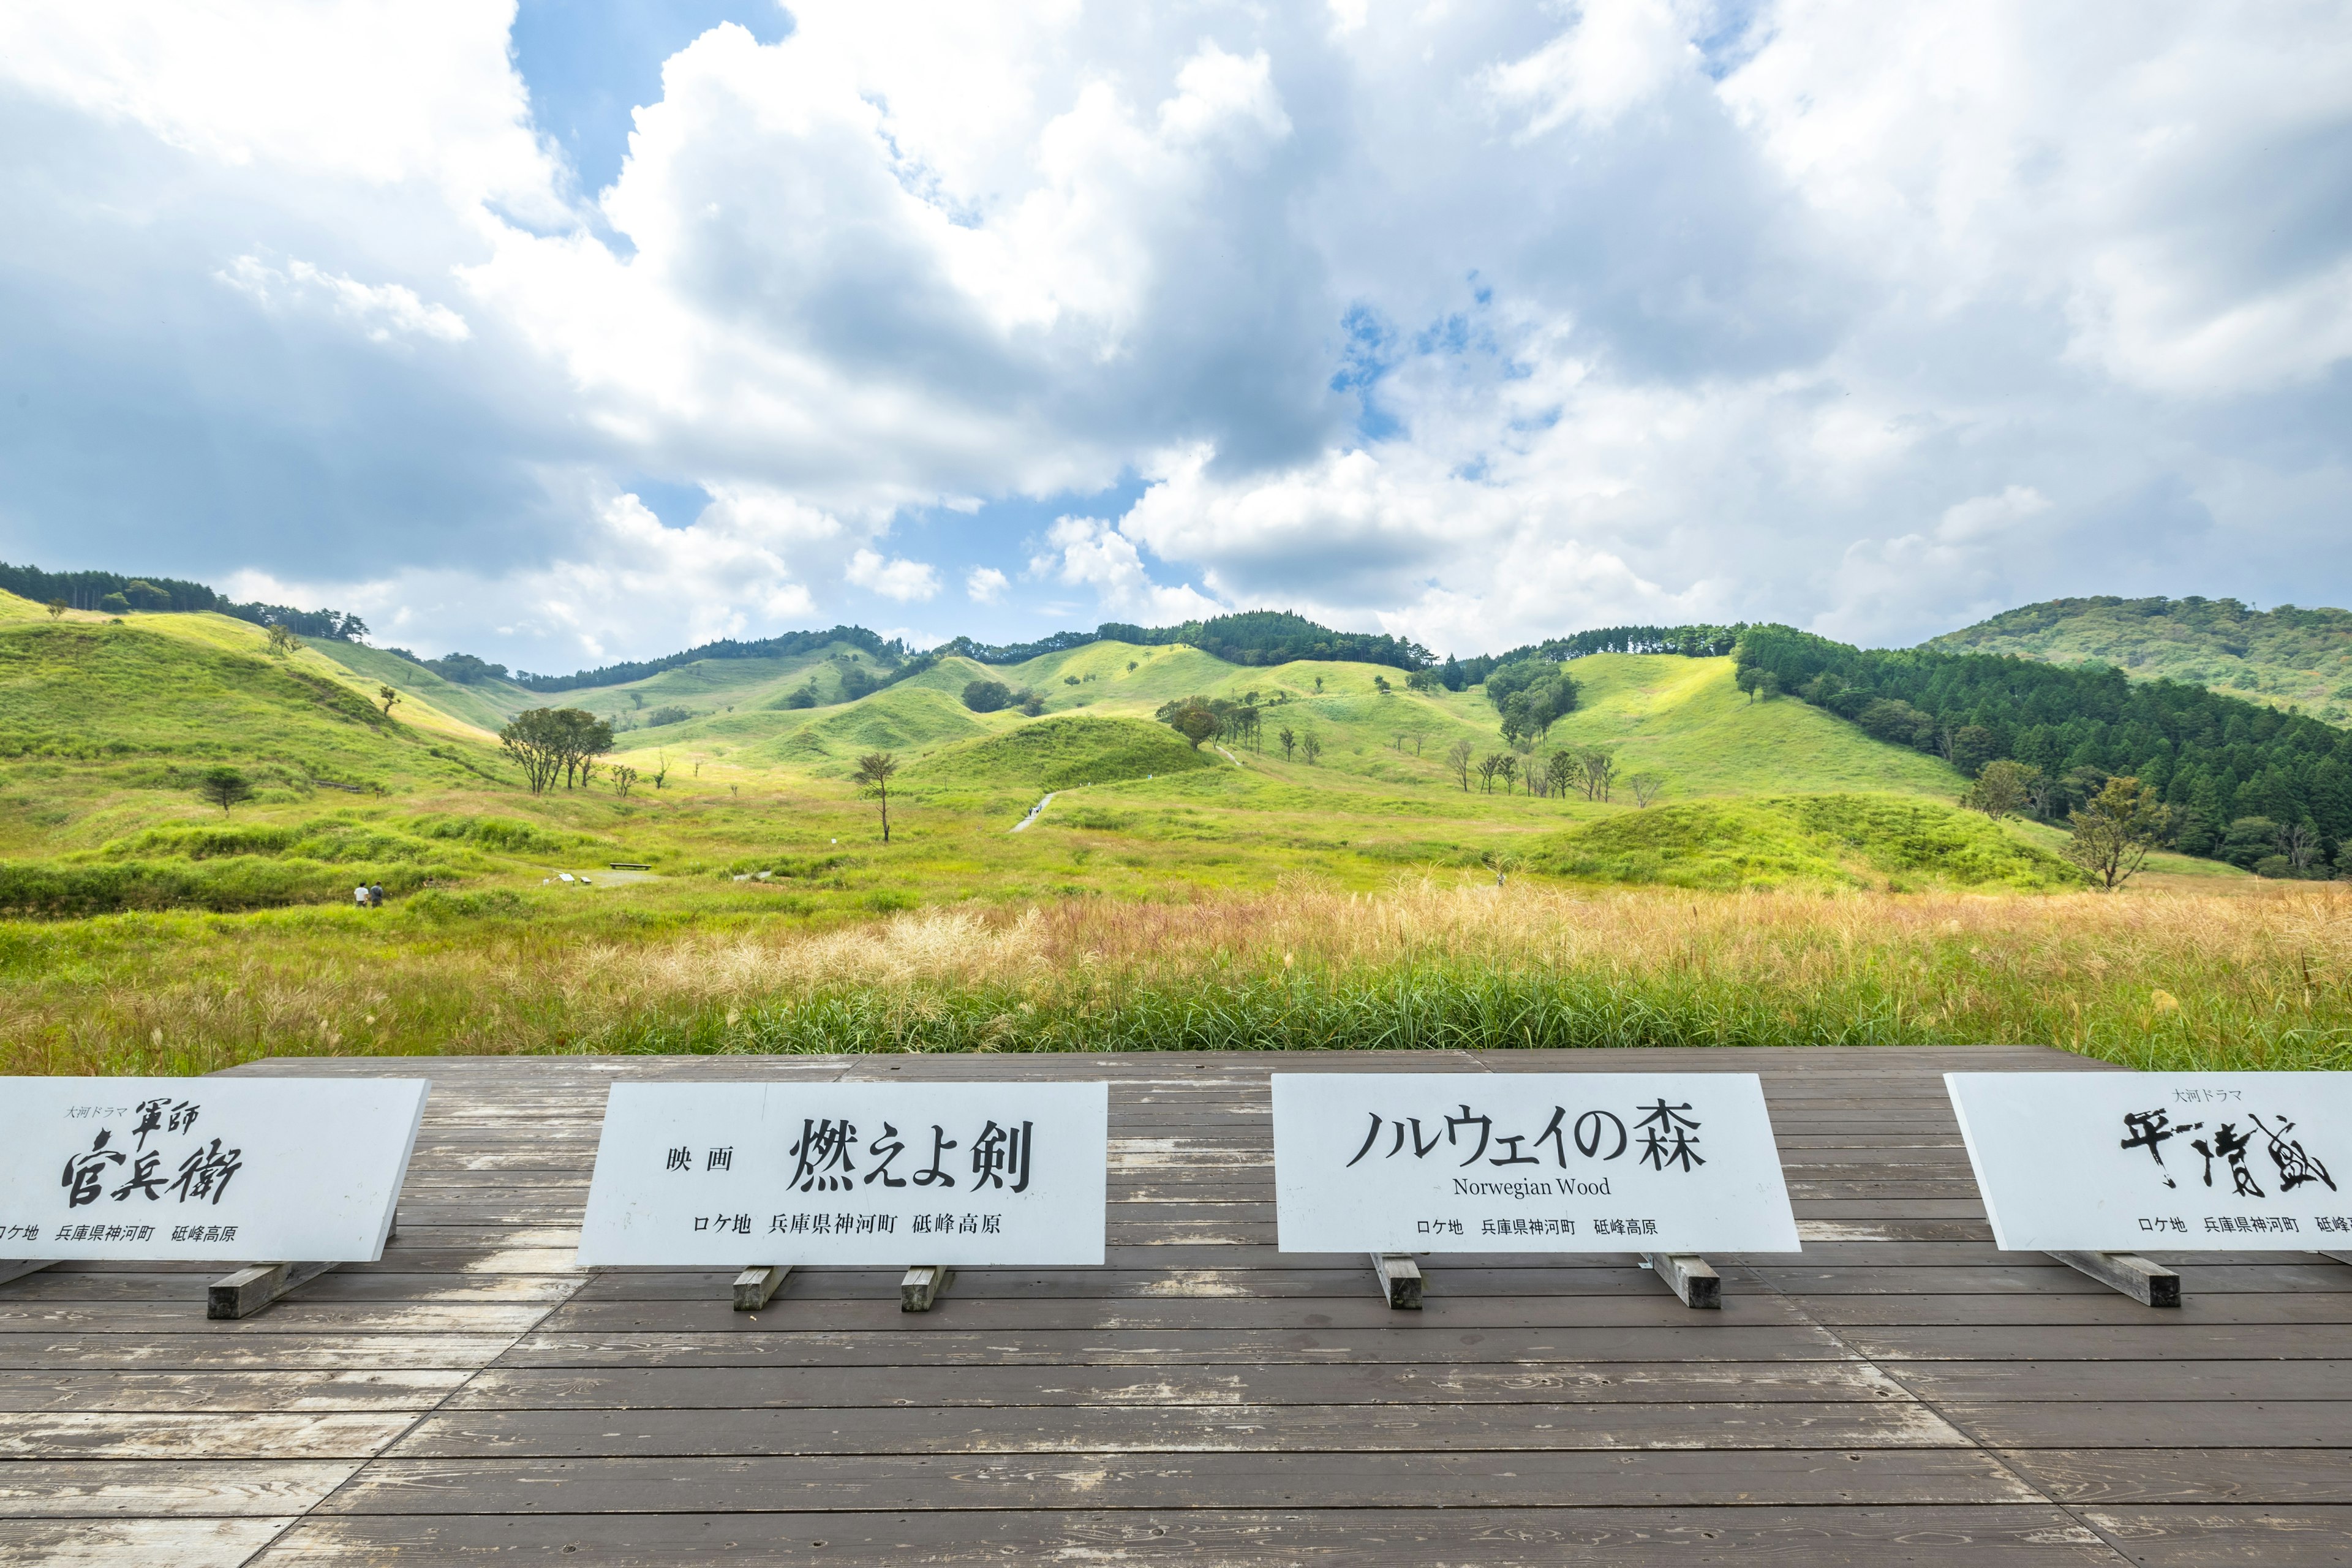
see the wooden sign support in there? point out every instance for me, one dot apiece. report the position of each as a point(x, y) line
point(758, 1284)
point(923, 1286)
point(1399, 1278)
point(252, 1289)
point(17, 1268)
point(2333, 1257)
point(2148, 1283)
point(1689, 1277)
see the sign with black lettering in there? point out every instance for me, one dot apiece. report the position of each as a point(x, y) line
point(2169, 1162)
point(224, 1168)
point(734, 1175)
point(1526, 1162)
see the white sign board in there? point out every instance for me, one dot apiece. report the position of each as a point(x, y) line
point(733, 1174)
point(1526, 1162)
point(251, 1170)
point(2119, 1162)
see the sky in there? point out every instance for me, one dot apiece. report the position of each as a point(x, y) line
point(601, 327)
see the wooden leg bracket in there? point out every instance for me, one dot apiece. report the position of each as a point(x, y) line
point(248, 1291)
point(1688, 1277)
point(17, 1268)
point(756, 1285)
point(1399, 1278)
point(2145, 1282)
point(925, 1283)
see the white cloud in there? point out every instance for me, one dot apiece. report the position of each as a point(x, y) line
point(985, 584)
point(1476, 321)
point(896, 578)
point(381, 311)
point(1086, 552)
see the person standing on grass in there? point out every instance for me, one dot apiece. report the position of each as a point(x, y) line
point(358, 895)
point(376, 895)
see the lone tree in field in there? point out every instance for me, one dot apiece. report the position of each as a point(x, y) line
point(1646, 787)
point(56, 607)
point(387, 696)
point(873, 776)
point(2114, 831)
point(1488, 766)
point(1457, 761)
point(624, 780)
point(282, 641)
point(584, 738)
point(2003, 788)
point(1195, 723)
point(537, 739)
point(223, 787)
point(1289, 739)
point(1312, 744)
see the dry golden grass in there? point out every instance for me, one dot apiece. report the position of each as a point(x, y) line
point(2171, 979)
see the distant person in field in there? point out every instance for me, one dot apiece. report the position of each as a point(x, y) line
point(376, 895)
point(358, 895)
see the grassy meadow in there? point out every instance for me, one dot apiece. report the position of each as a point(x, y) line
point(1796, 881)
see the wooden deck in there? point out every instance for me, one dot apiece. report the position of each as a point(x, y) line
point(1899, 1393)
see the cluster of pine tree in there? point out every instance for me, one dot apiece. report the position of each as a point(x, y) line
point(2245, 783)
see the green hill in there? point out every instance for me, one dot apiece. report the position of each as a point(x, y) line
point(2286, 657)
point(1063, 753)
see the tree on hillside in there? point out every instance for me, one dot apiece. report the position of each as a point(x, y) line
point(1457, 761)
point(1646, 787)
point(987, 695)
point(2114, 831)
point(1032, 704)
point(1312, 744)
point(874, 772)
point(1380, 685)
point(624, 779)
point(1599, 769)
point(1508, 772)
point(1488, 766)
point(1289, 739)
point(2002, 788)
point(223, 787)
point(56, 607)
point(1564, 772)
point(661, 769)
point(387, 696)
point(281, 640)
point(584, 738)
point(1758, 682)
point(536, 739)
point(1195, 722)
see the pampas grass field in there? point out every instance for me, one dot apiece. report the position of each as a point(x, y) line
point(2159, 980)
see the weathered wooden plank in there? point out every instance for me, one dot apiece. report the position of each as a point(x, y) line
point(2314, 1308)
point(1442, 1311)
point(1833, 1536)
point(204, 1488)
point(1172, 1428)
point(2133, 1338)
point(1009, 1387)
point(137, 1542)
point(2188, 1475)
point(2133, 1380)
point(209, 1435)
point(2230, 1421)
point(771, 1344)
point(238, 1350)
point(1642, 1476)
point(2274, 1536)
point(227, 1391)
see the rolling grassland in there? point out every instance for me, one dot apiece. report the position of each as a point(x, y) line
point(1796, 881)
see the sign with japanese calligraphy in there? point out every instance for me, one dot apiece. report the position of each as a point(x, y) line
point(733, 1174)
point(2121, 1162)
point(226, 1169)
point(1526, 1162)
